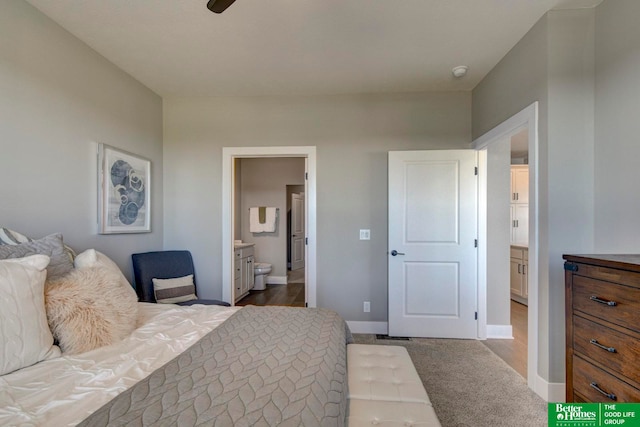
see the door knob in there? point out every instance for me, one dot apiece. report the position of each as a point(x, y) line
point(394, 253)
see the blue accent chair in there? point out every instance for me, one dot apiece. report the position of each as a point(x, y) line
point(164, 265)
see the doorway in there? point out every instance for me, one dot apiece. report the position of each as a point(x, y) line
point(527, 118)
point(229, 156)
point(269, 184)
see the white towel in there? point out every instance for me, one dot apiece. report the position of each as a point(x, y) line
point(269, 225)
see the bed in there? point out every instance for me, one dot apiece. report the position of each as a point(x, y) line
point(198, 365)
point(77, 348)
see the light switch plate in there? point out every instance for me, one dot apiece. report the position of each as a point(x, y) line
point(365, 234)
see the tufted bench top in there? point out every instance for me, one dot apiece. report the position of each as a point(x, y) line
point(385, 389)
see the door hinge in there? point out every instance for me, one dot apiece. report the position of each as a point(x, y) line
point(306, 304)
point(306, 240)
point(475, 171)
point(476, 315)
point(306, 175)
point(475, 243)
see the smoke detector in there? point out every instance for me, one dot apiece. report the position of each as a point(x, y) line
point(459, 71)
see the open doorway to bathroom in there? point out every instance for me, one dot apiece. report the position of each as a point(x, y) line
point(229, 208)
point(273, 246)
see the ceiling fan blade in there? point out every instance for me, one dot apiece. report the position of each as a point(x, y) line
point(219, 6)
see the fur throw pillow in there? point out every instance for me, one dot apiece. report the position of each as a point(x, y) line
point(90, 308)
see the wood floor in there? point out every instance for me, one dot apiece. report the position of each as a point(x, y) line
point(514, 351)
point(291, 295)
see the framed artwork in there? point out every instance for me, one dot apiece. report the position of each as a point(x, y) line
point(124, 192)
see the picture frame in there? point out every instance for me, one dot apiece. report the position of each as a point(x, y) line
point(124, 192)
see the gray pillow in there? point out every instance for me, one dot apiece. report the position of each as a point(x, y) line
point(51, 246)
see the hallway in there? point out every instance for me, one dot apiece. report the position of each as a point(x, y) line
point(514, 351)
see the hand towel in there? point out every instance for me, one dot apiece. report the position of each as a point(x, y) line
point(269, 225)
point(270, 220)
point(254, 221)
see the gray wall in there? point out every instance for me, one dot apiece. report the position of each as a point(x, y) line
point(617, 127)
point(552, 64)
point(58, 99)
point(264, 183)
point(498, 233)
point(352, 134)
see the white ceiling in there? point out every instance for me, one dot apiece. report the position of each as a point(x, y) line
point(293, 47)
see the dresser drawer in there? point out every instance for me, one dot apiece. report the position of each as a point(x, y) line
point(624, 359)
point(625, 313)
point(607, 274)
point(585, 374)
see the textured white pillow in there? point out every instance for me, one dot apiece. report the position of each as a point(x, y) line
point(90, 308)
point(24, 333)
point(171, 291)
point(93, 258)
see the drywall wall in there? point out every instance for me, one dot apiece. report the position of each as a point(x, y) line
point(518, 80)
point(352, 133)
point(570, 160)
point(552, 64)
point(617, 127)
point(498, 233)
point(264, 183)
point(58, 99)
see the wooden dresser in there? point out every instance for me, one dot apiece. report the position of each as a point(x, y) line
point(603, 328)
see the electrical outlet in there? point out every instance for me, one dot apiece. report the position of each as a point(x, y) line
point(365, 234)
point(366, 307)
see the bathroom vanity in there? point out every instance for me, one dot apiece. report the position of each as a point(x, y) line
point(243, 269)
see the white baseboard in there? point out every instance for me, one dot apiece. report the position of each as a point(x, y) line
point(504, 332)
point(550, 392)
point(276, 280)
point(368, 327)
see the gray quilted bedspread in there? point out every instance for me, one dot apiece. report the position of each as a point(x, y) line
point(264, 366)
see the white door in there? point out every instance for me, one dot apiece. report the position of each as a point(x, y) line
point(297, 231)
point(432, 243)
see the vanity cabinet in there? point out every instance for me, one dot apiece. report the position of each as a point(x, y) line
point(519, 274)
point(243, 271)
point(520, 205)
point(602, 308)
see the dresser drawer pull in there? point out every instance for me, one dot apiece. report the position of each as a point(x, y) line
point(602, 301)
point(604, 347)
point(602, 392)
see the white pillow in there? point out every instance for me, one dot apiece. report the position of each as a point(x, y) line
point(93, 258)
point(171, 291)
point(24, 332)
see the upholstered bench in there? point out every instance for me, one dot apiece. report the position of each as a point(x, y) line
point(385, 389)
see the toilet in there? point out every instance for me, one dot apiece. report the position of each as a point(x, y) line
point(260, 272)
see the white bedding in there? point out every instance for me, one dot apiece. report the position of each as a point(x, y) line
point(66, 390)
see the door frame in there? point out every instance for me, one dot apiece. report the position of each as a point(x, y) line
point(229, 154)
point(527, 117)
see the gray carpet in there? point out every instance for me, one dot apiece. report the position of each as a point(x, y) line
point(469, 386)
